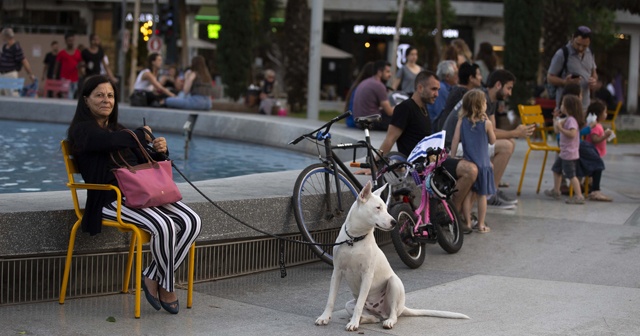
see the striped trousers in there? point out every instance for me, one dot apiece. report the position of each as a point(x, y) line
point(173, 228)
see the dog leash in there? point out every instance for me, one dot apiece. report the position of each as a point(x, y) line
point(282, 240)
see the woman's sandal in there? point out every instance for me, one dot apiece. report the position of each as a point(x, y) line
point(598, 196)
point(153, 301)
point(484, 229)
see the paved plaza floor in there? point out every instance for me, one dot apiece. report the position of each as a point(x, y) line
point(546, 268)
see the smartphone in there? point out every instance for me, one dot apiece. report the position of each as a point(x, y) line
point(575, 76)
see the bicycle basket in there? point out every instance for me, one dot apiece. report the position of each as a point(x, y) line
point(440, 183)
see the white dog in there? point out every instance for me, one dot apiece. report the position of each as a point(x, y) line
point(378, 292)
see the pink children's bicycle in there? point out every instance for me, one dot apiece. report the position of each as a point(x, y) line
point(435, 219)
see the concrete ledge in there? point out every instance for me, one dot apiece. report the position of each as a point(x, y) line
point(40, 223)
point(628, 122)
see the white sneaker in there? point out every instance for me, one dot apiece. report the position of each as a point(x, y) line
point(495, 202)
point(506, 199)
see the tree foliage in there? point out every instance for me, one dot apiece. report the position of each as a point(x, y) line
point(295, 46)
point(522, 41)
point(422, 21)
point(235, 49)
point(561, 20)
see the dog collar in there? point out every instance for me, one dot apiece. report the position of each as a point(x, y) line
point(353, 239)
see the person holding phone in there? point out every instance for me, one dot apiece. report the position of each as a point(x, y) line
point(580, 66)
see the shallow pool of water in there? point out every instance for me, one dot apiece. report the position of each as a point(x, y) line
point(31, 160)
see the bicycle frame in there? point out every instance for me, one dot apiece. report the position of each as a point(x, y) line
point(423, 210)
point(333, 161)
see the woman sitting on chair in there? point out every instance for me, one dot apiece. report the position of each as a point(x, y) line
point(198, 88)
point(94, 133)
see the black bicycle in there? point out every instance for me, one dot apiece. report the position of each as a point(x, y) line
point(324, 192)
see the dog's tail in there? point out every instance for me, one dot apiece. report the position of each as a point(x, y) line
point(433, 313)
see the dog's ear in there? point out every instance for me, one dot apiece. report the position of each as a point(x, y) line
point(380, 190)
point(365, 193)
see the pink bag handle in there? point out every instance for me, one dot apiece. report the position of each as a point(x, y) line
point(150, 160)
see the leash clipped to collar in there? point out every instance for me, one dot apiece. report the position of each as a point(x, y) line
point(353, 239)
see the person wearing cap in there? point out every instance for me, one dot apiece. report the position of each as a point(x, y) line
point(580, 69)
point(12, 60)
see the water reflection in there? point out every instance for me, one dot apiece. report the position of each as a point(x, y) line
point(31, 159)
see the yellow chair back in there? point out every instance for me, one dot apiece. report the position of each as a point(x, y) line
point(611, 123)
point(532, 114)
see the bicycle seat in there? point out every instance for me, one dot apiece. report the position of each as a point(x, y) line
point(367, 121)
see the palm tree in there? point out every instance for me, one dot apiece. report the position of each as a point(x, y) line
point(234, 45)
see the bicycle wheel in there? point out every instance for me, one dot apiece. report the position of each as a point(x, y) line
point(316, 208)
point(411, 252)
point(450, 237)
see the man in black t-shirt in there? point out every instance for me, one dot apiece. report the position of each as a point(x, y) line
point(50, 65)
point(93, 57)
point(410, 124)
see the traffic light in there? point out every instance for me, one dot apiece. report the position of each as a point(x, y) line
point(167, 21)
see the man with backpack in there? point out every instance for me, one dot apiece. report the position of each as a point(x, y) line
point(574, 63)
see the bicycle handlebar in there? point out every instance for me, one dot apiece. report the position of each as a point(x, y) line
point(327, 126)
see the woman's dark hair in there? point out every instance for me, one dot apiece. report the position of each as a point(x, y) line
point(366, 72)
point(152, 58)
point(83, 113)
point(450, 53)
point(408, 51)
point(199, 66)
point(486, 55)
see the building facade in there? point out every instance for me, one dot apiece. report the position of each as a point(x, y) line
point(364, 33)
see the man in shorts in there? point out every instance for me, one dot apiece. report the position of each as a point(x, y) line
point(499, 86)
point(410, 123)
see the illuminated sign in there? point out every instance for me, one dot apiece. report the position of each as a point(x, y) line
point(213, 31)
point(401, 51)
point(450, 33)
point(381, 30)
point(144, 17)
point(405, 31)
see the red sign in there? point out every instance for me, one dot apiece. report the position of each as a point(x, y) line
point(154, 44)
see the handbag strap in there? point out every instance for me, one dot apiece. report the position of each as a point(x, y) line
point(144, 153)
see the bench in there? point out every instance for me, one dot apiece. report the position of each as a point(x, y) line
point(11, 83)
point(57, 86)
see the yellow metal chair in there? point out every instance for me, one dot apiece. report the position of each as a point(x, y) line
point(138, 236)
point(611, 123)
point(585, 189)
point(532, 114)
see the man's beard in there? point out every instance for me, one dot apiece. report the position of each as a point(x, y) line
point(427, 100)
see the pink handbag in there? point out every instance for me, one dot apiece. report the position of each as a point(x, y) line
point(146, 185)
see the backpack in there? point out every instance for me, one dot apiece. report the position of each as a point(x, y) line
point(551, 89)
